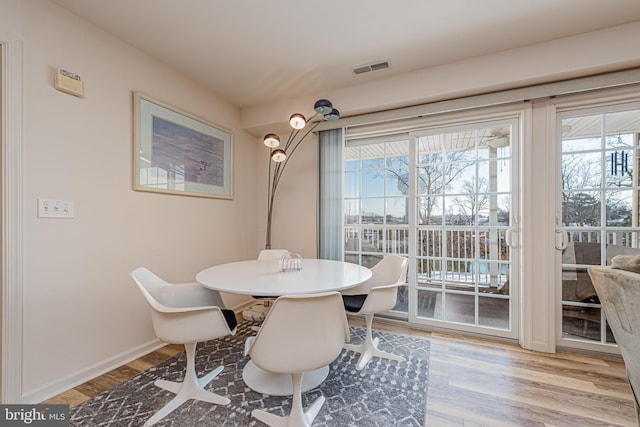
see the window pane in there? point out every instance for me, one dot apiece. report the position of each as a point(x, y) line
point(581, 133)
point(351, 184)
point(492, 244)
point(397, 153)
point(620, 208)
point(582, 253)
point(460, 178)
point(429, 243)
point(429, 273)
point(581, 322)
point(352, 158)
point(352, 239)
point(493, 176)
point(459, 275)
point(430, 149)
point(373, 211)
point(491, 275)
point(372, 156)
point(622, 242)
point(429, 305)
point(429, 210)
point(460, 243)
point(372, 183)
point(581, 208)
point(459, 210)
point(460, 308)
point(352, 211)
point(584, 235)
point(397, 182)
point(581, 170)
point(352, 165)
point(430, 179)
point(397, 241)
point(619, 168)
point(493, 312)
point(432, 158)
point(397, 210)
point(460, 145)
point(372, 239)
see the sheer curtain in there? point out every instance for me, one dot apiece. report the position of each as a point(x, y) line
point(330, 206)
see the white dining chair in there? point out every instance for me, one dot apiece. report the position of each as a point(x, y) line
point(300, 333)
point(185, 314)
point(257, 311)
point(376, 295)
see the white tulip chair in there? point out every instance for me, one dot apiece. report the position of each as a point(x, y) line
point(185, 314)
point(376, 295)
point(301, 333)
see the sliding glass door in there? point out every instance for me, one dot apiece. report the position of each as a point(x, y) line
point(463, 237)
point(598, 215)
point(444, 198)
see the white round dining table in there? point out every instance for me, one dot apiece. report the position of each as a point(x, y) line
point(257, 277)
point(266, 278)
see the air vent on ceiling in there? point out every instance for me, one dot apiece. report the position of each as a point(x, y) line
point(371, 67)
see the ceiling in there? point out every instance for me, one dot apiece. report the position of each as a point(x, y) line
point(252, 52)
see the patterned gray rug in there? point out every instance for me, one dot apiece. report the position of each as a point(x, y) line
point(385, 393)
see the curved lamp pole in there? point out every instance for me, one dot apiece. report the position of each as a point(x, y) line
point(280, 156)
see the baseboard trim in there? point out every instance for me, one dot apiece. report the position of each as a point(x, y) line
point(56, 387)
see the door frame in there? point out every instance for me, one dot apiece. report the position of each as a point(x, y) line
point(11, 212)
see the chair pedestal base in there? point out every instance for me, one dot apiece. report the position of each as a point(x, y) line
point(191, 387)
point(297, 417)
point(280, 384)
point(369, 348)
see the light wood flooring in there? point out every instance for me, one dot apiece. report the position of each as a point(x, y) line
point(475, 382)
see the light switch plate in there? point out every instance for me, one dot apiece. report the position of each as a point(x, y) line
point(49, 208)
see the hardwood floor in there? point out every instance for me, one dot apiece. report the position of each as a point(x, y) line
point(476, 382)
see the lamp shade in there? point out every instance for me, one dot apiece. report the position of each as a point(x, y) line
point(271, 140)
point(297, 121)
point(278, 155)
point(333, 115)
point(323, 106)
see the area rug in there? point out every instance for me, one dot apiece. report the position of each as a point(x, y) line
point(385, 393)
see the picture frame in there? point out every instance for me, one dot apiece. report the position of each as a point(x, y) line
point(175, 152)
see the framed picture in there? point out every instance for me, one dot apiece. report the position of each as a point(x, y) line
point(177, 153)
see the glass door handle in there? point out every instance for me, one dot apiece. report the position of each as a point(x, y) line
point(509, 238)
point(562, 239)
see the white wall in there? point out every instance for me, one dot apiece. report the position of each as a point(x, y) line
point(81, 310)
